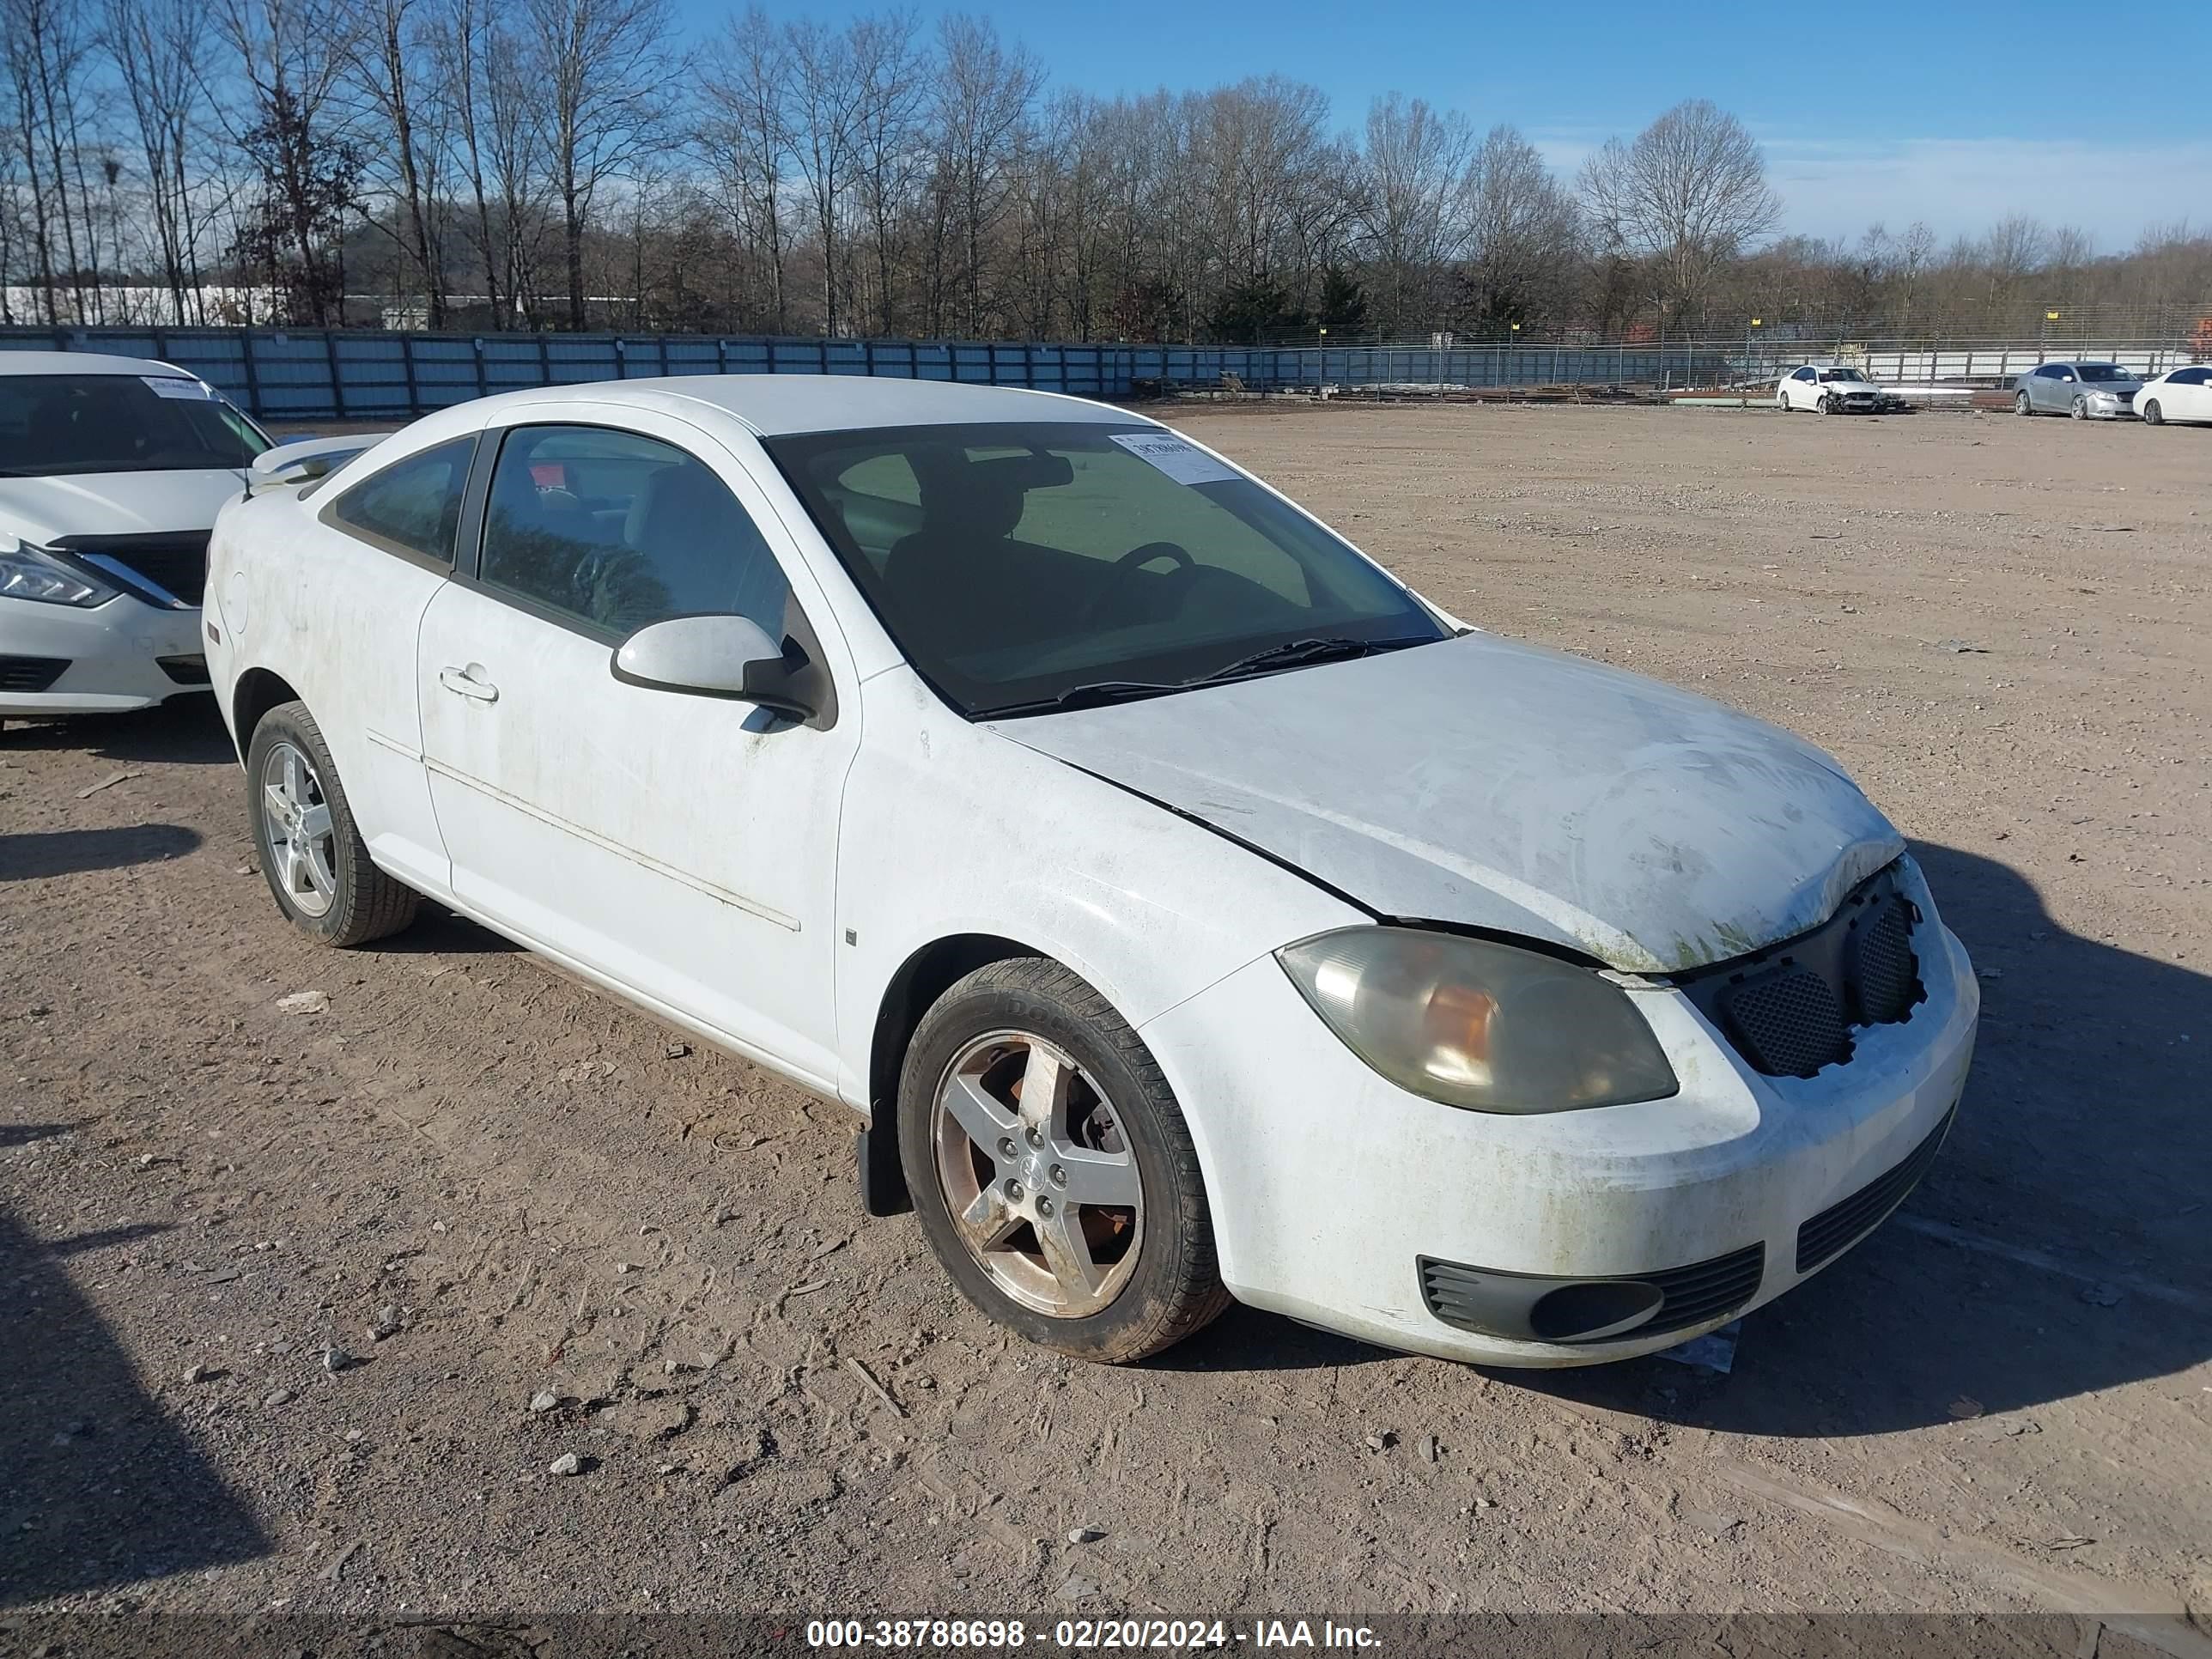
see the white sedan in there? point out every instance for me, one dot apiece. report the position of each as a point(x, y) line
point(2179, 394)
point(111, 472)
point(1189, 911)
point(1831, 388)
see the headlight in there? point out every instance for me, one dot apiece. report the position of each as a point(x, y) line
point(30, 572)
point(1472, 1023)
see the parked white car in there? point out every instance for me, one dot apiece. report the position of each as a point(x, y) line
point(1190, 909)
point(2179, 394)
point(1830, 388)
point(111, 471)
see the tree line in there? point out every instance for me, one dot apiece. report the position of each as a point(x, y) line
point(574, 164)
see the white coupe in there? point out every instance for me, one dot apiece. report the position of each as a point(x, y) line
point(1189, 911)
point(2179, 394)
point(111, 471)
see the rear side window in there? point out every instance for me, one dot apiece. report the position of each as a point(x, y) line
point(412, 506)
point(615, 530)
point(2193, 377)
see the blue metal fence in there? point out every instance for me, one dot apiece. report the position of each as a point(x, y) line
point(360, 375)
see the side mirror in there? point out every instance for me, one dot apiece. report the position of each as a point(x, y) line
point(729, 657)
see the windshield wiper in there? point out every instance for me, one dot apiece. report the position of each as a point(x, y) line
point(1297, 653)
point(1096, 694)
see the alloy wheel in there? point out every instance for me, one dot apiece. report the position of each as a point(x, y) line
point(1038, 1176)
point(295, 819)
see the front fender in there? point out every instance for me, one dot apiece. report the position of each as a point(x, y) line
point(948, 829)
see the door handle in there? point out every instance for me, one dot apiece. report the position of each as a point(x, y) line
point(463, 681)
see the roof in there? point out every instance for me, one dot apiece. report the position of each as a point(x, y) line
point(84, 363)
point(778, 405)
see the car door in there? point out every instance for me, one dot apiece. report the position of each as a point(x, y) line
point(1804, 389)
point(681, 847)
point(378, 551)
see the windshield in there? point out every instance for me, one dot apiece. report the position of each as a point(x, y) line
point(1017, 563)
point(55, 424)
point(1841, 374)
point(2107, 372)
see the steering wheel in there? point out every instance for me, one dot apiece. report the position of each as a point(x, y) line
point(1128, 565)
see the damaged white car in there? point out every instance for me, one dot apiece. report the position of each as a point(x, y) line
point(111, 471)
point(1191, 911)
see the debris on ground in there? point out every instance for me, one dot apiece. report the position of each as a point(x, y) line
point(1084, 1535)
point(304, 1002)
point(336, 1569)
point(543, 1402)
point(1713, 1352)
point(107, 782)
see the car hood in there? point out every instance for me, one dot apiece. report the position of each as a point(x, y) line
point(1503, 785)
point(114, 503)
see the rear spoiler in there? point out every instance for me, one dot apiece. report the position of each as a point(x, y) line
point(305, 459)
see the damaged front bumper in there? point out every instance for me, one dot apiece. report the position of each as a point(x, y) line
point(1563, 1239)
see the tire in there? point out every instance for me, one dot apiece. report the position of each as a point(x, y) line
point(1829, 405)
point(1781, 402)
point(1160, 1276)
point(2022, 404)
point(2081, 410)
point(2152, 414)
point(324, 882)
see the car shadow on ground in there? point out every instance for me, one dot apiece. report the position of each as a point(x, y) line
point(65, 852)
point(102, 1488)
point(2082, 1145)
point(186, 731)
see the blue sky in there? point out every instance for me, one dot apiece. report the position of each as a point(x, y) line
point(1953, 112)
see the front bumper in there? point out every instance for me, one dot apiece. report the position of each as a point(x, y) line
point(113, 652)
point(1336, 1195)
point(2112, 412)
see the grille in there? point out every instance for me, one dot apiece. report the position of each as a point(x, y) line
point(1701, 1292)
point(1839, 1226)
point(1790, 1009)
point(176, 562)
point(1883, 977)
point(30, 673)
point(1788, 1022)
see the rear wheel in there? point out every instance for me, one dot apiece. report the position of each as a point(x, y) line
point(2021, 403)
point(312, 852)
point(2152, 414)
point(1051, 1169)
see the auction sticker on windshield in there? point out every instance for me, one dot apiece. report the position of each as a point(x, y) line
point(1186, 463)
point(166, 387)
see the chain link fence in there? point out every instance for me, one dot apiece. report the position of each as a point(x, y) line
point(291, 374)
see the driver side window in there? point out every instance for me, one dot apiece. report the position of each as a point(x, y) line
point(614, 531)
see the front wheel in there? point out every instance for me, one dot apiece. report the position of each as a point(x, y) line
point(2152, 414)
point(1051, 1169)
point(2021, 403)
point(1828, 403)
point(311, 850)
point(2081, 409)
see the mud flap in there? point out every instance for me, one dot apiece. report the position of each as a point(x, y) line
point(882, 1184)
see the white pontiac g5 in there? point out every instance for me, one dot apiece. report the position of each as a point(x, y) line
point(1190, 910)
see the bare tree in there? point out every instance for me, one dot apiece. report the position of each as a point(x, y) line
point(1689, 195)
point(159, 48)
point(746, 136)
point(1415, 202)
point(288, 123)
point(1523, 232)
point(889, 157)
point(986, 94)
point(604, 71)
point(825, 113)
point(385, 64)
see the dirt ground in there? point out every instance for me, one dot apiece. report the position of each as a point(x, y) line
point(485, 1183)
